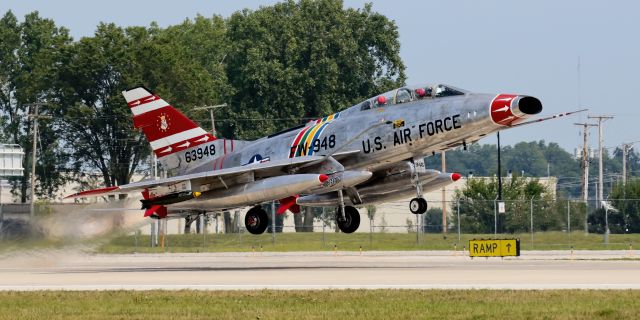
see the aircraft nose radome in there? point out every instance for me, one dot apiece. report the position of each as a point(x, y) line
point(455, 176)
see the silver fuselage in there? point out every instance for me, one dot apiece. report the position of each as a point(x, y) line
point(384, 136)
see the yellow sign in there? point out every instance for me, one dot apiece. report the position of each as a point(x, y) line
point(494, 248)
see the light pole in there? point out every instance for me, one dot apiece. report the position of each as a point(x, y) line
point(495, 216)
point(211, 109)
point(499, 170)
point(607, 207)
point(531, 216)
point(498, 200)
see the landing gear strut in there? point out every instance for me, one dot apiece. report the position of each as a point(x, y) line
point(417, 205)
point(256, 220)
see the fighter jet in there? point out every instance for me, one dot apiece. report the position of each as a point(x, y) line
point(368, 153)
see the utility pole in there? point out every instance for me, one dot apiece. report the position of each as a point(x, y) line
point(35, 116)
point(444, 194)
point(211, 109)
point(600, 169)
point(585, 159)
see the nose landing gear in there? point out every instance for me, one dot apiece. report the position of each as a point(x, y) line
point(417, 205)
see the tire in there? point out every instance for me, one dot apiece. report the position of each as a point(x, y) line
point(351, 220)
point(418, 205)
point(256, 220)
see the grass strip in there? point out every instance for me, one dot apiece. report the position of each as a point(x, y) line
point(322, 304)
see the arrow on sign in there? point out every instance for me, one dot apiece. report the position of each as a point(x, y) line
point(508, 247)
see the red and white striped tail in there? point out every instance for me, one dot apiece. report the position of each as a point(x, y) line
point(167, 129)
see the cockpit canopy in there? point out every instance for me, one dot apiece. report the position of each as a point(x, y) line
point(411, 93)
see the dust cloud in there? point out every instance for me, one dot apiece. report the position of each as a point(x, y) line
point(94, 221)
point(68, 232)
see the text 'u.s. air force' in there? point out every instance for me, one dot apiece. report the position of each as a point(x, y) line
point(408, 134)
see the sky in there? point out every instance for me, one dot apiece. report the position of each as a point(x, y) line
point(569, 54)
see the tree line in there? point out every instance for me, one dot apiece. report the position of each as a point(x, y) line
point(539, 159)
point(274, 67)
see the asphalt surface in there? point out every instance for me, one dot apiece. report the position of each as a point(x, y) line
point(74, 270)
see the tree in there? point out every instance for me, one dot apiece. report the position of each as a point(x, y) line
point(477, 205)
point(624, 198)
point(96, 119)
point(291, 60)
point(309, 215)
point(525, 158)
point(10, 33)
point(181, 63)
point(306, 59)
point(432, 220)
point(31, 54)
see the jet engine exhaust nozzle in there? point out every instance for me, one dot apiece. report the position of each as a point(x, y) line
point(509, 109)
point(528, 105)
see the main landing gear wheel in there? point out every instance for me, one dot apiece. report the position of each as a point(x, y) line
point(256, 220)
point(418, 205)
point(351, 220)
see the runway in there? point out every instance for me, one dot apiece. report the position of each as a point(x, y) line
point(64, 270)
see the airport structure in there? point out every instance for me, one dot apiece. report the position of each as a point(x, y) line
point(11, 156)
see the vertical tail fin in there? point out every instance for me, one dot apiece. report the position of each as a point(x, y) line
point(167, 129)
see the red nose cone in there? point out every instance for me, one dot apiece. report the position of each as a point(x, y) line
point(323, 177)
point(420, 92)
point(455, 176)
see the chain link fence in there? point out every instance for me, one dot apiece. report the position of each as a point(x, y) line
point(539, 224)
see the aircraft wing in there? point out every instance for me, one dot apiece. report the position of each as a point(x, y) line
point(266, 169)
